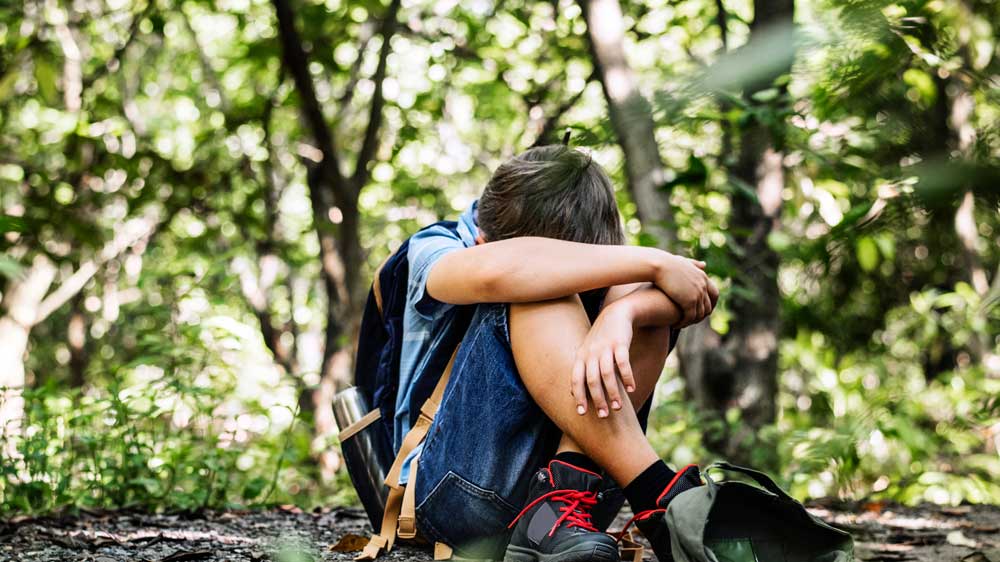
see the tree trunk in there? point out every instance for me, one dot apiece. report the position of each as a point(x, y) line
point(76, 339)
point(336, 217)
point(20, 306)
point(738, 370)
point(28, 302)
point(961, 140)
point(631, 119)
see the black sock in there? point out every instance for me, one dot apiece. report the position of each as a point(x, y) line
point(642, 492)
point(578, 460)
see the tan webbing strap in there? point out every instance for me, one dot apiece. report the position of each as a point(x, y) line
point(391, 520)
point(408, 513)
point(369, 418)
point(387, 534)
point(377, 284)
point(430, 407)
point(419, 430)
point(629, 549)
point(442, 551)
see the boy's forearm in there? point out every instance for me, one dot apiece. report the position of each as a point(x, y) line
point(529, 269)
point(649, 307)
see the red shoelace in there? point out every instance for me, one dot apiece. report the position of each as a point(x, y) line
point(641, 516)
point(575, 512)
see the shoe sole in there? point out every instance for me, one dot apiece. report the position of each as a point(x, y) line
point(597, 553)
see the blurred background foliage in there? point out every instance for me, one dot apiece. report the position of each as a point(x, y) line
point(194, 195)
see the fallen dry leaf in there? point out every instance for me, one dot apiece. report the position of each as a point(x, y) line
point(960, 510)
point(958, 538)
point(873, 507)
point(350, 543)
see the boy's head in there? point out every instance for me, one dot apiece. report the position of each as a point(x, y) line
point(551, 191)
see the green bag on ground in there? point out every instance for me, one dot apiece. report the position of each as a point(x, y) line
point(736, 522)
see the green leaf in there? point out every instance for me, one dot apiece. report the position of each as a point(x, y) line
point(767, 95)
point(10, 223)
point(254, 488)
point(46, 76)
point(695, 174)
point(7, 85)
point(855, 214)
point(779, 241)
point(150, 485)
point(646, 239)
point(923, 83)
point(739, 187)
point(9, 267)
point(868, 256)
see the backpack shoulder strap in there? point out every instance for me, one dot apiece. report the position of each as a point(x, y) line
point(400, 516)
point(377, 283)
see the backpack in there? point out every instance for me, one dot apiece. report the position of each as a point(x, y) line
point(736, 522)
point(376, 378)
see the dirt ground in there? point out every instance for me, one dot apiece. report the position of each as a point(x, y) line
point(883, 533)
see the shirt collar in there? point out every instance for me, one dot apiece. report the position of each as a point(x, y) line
point(468, 225)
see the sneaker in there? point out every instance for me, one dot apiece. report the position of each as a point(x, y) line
point(653, 523)
point(556, 524)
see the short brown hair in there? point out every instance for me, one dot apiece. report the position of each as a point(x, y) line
point(551, 191)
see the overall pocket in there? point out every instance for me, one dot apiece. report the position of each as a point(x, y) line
point(471, 520)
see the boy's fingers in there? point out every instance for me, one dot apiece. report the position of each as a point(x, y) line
point(578, 387)
point(690, 314)
point(625, 368)
point(610, 379)
point(594, 386)
point(713, 293)
point(682, 323)
point(699, 263)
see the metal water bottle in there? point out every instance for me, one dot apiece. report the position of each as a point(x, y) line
point(367, 451)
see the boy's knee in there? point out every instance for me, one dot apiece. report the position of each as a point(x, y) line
point(542, 323)
point(553, 311)
point(548, 306)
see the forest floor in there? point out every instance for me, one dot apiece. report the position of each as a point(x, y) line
point(883, 533)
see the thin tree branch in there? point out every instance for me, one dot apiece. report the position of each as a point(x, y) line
point(722, 21)
point(26, 291)
point(370, 142)
point(297, 64)
point(459, 49)
point(552, 121)
point(355, 71)
point(133, 232)
point(630, 117)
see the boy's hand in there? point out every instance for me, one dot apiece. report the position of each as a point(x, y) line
point(601, 359)
point(684, 280)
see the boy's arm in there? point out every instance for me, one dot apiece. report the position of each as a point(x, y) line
point(603, 358)
point(528, 269)
point(648, 307)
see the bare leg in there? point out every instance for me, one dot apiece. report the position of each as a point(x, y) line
point(648, 354)
point(544, 338)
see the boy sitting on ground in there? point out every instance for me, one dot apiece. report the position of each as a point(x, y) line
point(545, 409)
